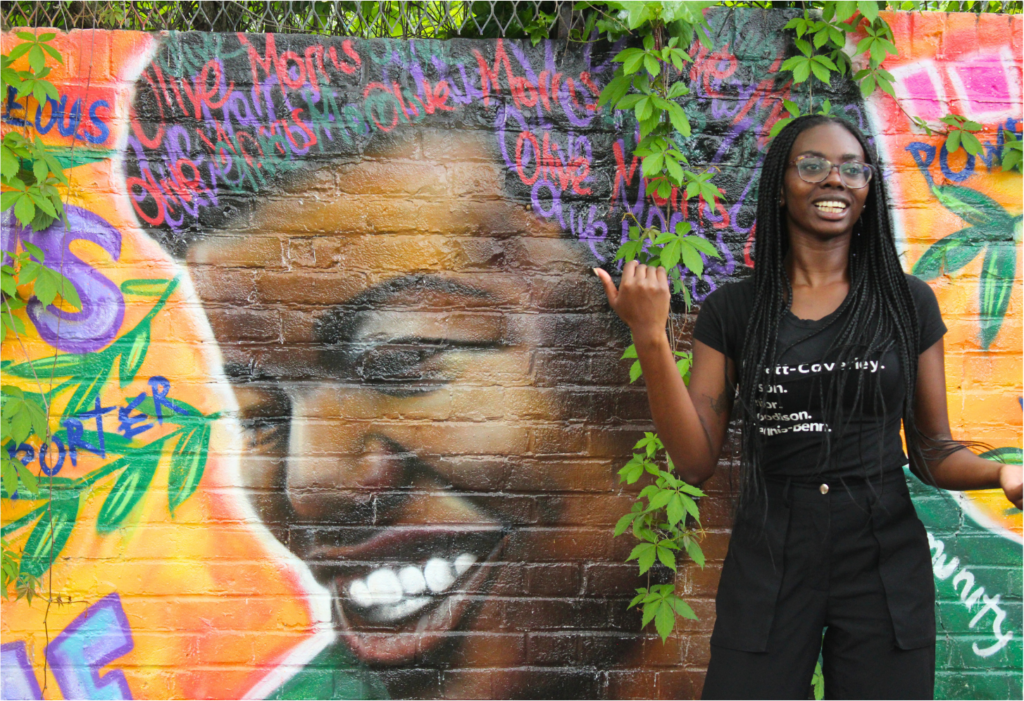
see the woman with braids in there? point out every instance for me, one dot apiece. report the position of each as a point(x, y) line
point(826, 349)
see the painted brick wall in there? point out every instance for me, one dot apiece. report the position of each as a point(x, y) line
point(342, 413)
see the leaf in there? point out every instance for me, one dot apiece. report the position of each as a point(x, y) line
point(646, 558)
point(691, 507)
point(820, 72)
point(802, 72)
point(652, 165)
point(61, 366)
point(45, 288)
point(949, 254)
point(43, 202)
point(50, 535)
point(953, 141)
point(10, 475)
point(675, 511)
point(635, 372)
point(694, 551)
point(671, 254)
point(703, 245)
point(67, 291)
point(660, 499)
point(639, 550)
point(650, 610)
point(779, 126)
point(692, 259)
point(973, 207)
point(869, 9)
point(36, 411)
point(27, 478)
point(971, 144)
point(632, 64)
point(665, 620)
point(24, 210)
point(188, 462)
point(680, 122)
point(652, 65)
point(997, 274)
point(53, 53)
point(130, 487)
point(133, 354)
point(623, 524)
point(682, 608)
point(666, 557)
point(91, 386)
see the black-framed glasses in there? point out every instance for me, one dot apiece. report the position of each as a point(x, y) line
point(814, 169)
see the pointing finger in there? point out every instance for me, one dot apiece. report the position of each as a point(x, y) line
point(609, 286)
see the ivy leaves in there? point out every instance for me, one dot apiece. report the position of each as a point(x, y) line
point(661, 605)
point(652, 246)
point(661, 526)
point(821, 44)
point(1013, 150)
point(27, 168)
point(960, 133)
point(990, 229)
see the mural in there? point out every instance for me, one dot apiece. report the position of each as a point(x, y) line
point(341, 414)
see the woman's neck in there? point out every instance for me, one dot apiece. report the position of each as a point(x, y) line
point(813, 262)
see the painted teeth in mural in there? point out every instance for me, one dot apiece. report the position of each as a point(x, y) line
point(342, 411)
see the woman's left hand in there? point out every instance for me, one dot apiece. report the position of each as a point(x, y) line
point(1010, 480)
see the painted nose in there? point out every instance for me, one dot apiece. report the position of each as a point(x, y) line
point(339, 480)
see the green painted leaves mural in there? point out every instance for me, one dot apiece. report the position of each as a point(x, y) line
point(991, 229)
point(87, 377)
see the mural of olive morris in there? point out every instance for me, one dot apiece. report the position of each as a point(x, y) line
point(368, 407)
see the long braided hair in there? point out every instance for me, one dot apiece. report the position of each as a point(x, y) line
point(878, 314)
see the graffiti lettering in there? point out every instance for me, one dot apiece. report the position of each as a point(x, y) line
point(92, 641)
point(85, 120)
point(102, 302)
point(970, 596)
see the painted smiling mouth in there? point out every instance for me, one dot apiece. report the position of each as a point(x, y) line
point(416, 580)
point(831, 206)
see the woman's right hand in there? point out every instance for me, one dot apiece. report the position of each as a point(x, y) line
point(642, 299)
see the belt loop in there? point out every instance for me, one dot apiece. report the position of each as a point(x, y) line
point(785, 493)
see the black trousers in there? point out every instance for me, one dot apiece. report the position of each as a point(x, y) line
point(853, 562)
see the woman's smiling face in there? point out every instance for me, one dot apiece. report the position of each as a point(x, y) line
point(830, 208)
point(410, 436)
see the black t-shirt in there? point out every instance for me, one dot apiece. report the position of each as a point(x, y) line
point(794, 429)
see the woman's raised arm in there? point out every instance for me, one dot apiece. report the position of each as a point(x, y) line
point(963, 469)
point(691, 422)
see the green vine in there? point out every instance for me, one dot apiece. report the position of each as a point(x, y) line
point(665, 517)
point(29, 174)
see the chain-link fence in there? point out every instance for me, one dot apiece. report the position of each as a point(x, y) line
point(436, 19)
point(439, 19)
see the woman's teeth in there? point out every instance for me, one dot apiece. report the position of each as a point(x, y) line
point(387, 595)
point(831, 207)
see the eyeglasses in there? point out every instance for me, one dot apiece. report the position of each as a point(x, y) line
point(815, 169)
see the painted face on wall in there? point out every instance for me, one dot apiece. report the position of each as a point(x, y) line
point(411, 437)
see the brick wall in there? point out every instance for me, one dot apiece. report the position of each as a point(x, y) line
point(343, 409)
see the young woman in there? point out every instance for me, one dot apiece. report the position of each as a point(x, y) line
point(827, 348)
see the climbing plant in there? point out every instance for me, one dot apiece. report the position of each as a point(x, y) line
point(665, 518)
point(30, 175)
